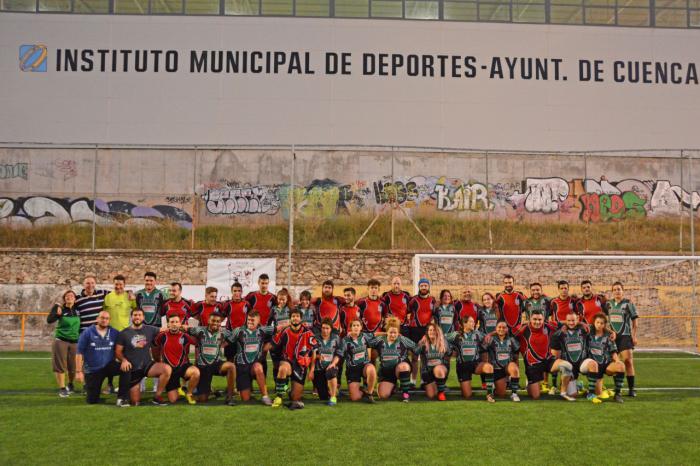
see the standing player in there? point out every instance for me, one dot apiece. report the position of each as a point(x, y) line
point(372, 309)
point(393, 351)
point(489, 314)
point(295, 344)
point(90, 302)
point(590, 304)
point(603, 350)
point(249, 342)
point(539, 302)
point(396, 301)
point(150, 300)
point(465, 307)
point(562, 304)
point(279, 320)
point(119, 303)
point(327, 307)
point(325, 378)
point(445, 315)
point(201, 310)
point(420, 312)
point(623, 320)
point(177, 305)
point(235, 310)
point(262, 300)
point(307, 310)
point(174, 347)
point(210, 357)
point(354, 349)
point(502, 352)
point(510, 303)
point(467, 343)
point(434, 352)
point(350, 310)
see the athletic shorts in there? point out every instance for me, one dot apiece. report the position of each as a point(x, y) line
point(230, 352)
point(177, 374)
point(244, 376)
point(624, 342)
point(136, 376)
point(416, 333)
point(499, 374)
point(354, 374)
point(535, 372)
point(427, 376)
point(602, 367)
point(465, 370)
point(387, 374)
point(206, 374)
point(63, 356)
point(298, 372)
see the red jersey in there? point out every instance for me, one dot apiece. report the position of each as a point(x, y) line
point(182, 308)
point(263, 303)
point(295, 346)
point(236, 313)
point(588, 308)
point(560, 308)
point(347, 315)
point(466, 308)
point(372, 311)
point(511, 306)
point(421, 309)
point(397, 304)
point(201, 311)
point(328, 308)
point(175, 347)
point(534, 343)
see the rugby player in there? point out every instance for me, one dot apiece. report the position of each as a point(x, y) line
point(502, 351)
point(393, 349)
point(307, 311)
point(589, 304)
point(354, 350)
point(434, 352)
point(466, 307)
point(539, 302)
point(174, 346)
point(603, 350)
point(249, 341)
point(396, 301)
point(325, 378)
point(420, 312)
point(201, 310)
point(623, 320)
point(510, 303)
point(445, 315)
point(177, 305)
point(327, 307)
point(467, 343)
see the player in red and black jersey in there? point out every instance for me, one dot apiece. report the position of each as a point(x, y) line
point(295, 345)
point(510, 303)
point(420, 313)
point(262, 300)
point(535, 337)
point(372, 308)
point(590, 304)
point(174, 347)
point(327, 307)
point(235, 311)
point(396, 301)
point(201, 310)
point(350, 311)
point(465, 307)
point(177, 305)
point(562, 304)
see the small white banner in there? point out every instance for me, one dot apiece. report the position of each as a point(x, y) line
point(222, 273)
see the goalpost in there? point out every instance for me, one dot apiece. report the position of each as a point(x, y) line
point(663, 288)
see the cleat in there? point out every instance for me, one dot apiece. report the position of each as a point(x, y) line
point(553, 391)
point(266, 400)
point(71, 388)
point(63, 392)
point(122, 403)
point(333, 401)
point(370, 399)
point(593, 399)
point(490, 399)
point(441, 396)
point(278, 402)
point(230, 401)
point(159, 401)
point(604, 395)
point(294, 405)
point(181, 392)
point(609, 392)
point(108, 390)
point(632, 393)
point(618, 398)
point(567, 397)
point(190, 399)
point(218, 394)
point(405, 397)
point(514, 397)
point(544, 386)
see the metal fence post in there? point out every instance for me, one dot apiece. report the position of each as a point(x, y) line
point(290, 240)
point(194, 201)
point(393, 186)
point(588, 217)
point(94, 196)
point(488, 210)
point(680, 214)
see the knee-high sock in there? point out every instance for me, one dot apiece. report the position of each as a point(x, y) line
point(405, 380)
point(515, 384)
point(489, 383)
point(619, 381)
point(440, 381)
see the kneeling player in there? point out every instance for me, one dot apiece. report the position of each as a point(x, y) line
point(434, 352)
point(295, 345)
point(393, 356)
point(467, 343)
point(503, 356)
point(249, 342)
point(210, 357)
point(354, 349)
point(325, 378)
point(174, 346)
point(604, 351)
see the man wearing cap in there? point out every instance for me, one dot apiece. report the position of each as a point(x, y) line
point(420, 310)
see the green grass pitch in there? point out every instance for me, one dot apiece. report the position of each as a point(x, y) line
point(660, 426)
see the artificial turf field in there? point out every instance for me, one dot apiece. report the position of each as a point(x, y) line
point(660, 426)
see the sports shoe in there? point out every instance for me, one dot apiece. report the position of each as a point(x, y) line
point(490, 399)
point(544, 386)
point(230, 401)
point(604, 395)
point(567, 397)
point(370, 399)
point(278, 402)
point(190, 399)
point(609, 392)
point(593, 399)
point(108, 390)
point(552, 390)
point(266, 401)
point(218, 393)
point(618, 398)
point(294, 405)
point(441, 396)
point(122, 403)
point(71, 388)
point(514, 397)
point(632, 392)
point(159, 401)
point(181, 392)
point(63, 392)
point(405, 397)
point(333, 401)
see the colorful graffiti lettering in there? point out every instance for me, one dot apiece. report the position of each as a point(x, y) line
point(611, 207)
point(260, 199)
point(472, 197)
point(14, 170)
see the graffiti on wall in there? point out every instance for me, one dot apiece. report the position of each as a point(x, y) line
point(42, 211)
point(238, 200)
point(14, 170)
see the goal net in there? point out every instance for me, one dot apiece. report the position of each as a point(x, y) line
point(663, 288)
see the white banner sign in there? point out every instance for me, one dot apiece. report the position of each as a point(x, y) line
point(222, 273)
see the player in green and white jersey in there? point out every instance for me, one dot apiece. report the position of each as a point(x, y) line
point(603, 350)
point(502, 351)
point(325, 378)
point(467, 343)
point(445, 314)
point(307, 310)
point(393, 349)
point(539, 302)
point(249, 341)
point(354, 350)
point(623, 320)
point(434, 352)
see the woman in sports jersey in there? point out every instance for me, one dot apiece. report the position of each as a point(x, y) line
point(393, 351)
point(489, 314)
point(445, 314)
point(467, 343)
point(434, 352)
point(279, 320)
point(307, 311)
point(354, 349)
point(603, 350)
point(503, 356)
point(325, 378)
point(623, 320)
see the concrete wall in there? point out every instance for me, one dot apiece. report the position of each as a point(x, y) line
point(241, 187)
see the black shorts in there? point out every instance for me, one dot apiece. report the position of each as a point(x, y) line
point(354, 374)
point(206, 373)
point(535, 372)
point(624, 343)
point(387, 374)
point(465, 370)
point(416, 333)
point(427, 376)
point(244, 377)
point(230, 352)
point(177, 374)
point(298, 372)
point(602, 367)
point(139, 374)
point(321, 378)
point(499, 374)
point(576, 368)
